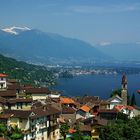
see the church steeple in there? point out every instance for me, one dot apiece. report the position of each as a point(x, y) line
point(124, 89)
point(124, 82)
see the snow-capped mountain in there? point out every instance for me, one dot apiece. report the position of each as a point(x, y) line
point(15, 30)
point(35, 46)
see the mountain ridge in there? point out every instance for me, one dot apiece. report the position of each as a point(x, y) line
point(41, 47)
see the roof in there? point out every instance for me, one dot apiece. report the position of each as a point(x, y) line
point(3, 75)
point(5, 116)
point(2, 100)
point(68, 110)
point(108, 111)
point(101, 121)
point(95, 121)
point(85, 128)
point(72, 130)
point(34, 90)
point(86, 99)
point(20, 100)
point(45, 111)
point(138, 91)
point(18, 113)
point(115, 96)
point(85, 108)
point(7, 93)
point(120, 107)
point(64, 100)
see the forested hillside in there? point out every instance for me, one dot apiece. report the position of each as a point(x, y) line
point(26, 73)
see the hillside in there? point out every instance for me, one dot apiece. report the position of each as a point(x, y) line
point(26, 73)
point(47, 48)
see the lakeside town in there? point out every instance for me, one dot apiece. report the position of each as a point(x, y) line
point(37, 113)
point(72, 71)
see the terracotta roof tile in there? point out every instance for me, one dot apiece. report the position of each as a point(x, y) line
point(119, 107)
point(65, 100)
point(3, 75)
point(85, 108)
point(72, 130)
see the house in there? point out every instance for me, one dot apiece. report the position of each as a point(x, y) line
point(54, 94)
point(40, 123)
point(113, 101)
point(3, 83)
point(5, 118)
point(128, 110)
point(8, 94)
point(95, 123)
point(65, 101)
point(37, 93)
point(69, 114)
point(83, 112)
point(136, 110)
point(108, 114)
point(18, 103)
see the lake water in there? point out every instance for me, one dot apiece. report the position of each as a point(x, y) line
point(97, 85)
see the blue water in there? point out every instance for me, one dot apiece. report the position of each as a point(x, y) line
point(97, 85)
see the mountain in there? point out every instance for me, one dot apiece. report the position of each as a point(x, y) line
point(39, 47)
point(15, 30)
point(122, 51)
point(26, 73)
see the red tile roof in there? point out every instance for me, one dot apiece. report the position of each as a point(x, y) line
point(3, 75)
point(64, 100)
point(85, 108)
point(119, 107)
point(72, 130)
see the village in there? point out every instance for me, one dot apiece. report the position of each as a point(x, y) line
point(39, 112)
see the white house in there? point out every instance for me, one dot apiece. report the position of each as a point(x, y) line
point(115, 100)
point(3, 83)
point(128, 110)
point(54, 94)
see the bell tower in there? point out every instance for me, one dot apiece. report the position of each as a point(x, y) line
point(124, 89)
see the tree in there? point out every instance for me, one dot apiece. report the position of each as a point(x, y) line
point(77, 127)
point(14, 133)
point(116, 92)
point(64, 129)
point(3, 130)
point(121, 130)
point(133, 100)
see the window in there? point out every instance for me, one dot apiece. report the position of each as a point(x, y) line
point(1, 85)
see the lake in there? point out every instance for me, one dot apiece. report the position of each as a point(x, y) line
point(97, 85)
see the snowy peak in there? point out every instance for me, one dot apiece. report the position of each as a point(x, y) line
point(15, 30)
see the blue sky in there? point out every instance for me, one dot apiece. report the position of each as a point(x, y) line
point(94, 21)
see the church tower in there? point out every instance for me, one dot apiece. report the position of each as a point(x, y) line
point(124, 90)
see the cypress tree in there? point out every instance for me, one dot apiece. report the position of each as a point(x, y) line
point(133, 100)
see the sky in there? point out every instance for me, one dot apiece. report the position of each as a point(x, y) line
point(94, 21)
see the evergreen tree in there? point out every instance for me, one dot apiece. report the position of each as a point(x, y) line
point(133, 100)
